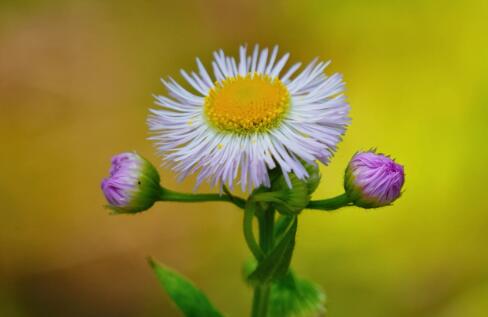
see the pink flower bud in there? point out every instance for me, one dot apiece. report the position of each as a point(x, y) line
point(373, 180)
point(133, 184)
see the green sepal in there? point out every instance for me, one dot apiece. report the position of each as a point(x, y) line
point(293, 200)
point(191, 301)
point(314, 177)
point(276, 263)
point(295, 297)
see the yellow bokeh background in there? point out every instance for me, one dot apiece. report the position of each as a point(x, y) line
point(76, 83)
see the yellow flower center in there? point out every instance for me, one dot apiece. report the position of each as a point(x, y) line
point(249, 104)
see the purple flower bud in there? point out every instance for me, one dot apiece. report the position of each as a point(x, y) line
point(373, 180)
point(133, 184)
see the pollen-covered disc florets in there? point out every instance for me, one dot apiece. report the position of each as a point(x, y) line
point(373, 180)
point(247, 104)
point(248, 117)
point(133, 184)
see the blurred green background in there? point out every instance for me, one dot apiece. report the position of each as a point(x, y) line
point(76, 79)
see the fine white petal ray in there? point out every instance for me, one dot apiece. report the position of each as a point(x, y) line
point(290, 72)
point(204, 74)
point(242, 60)
point(279, 66)
point(254, 59)
point(271, 60)
point(262, 60)
point(193, 83)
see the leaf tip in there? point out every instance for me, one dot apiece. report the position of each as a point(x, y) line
point(152, 263)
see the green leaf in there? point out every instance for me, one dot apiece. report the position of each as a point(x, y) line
point(276, 263)
point(191, 300)
point(295, 297)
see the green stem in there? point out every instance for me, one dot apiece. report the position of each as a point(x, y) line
point(266, 237)
point(256, 302)
point(249, 212)
point(282, 226)
point(169, 195)
point(331, 203)
point(261, 300)
point(266, 228)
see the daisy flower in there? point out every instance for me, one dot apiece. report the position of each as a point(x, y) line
point(249, 116)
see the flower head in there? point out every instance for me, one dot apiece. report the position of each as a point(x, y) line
point(133, 184)
point(248, 118)
point(373, 180)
